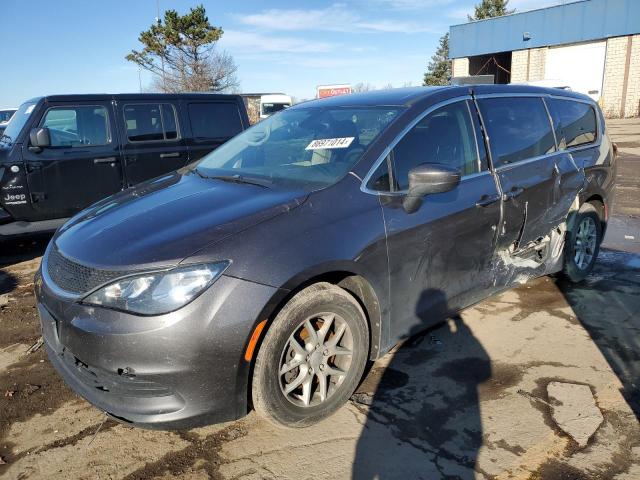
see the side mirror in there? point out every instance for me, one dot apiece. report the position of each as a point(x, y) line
point(39, 138)
point(426, 179)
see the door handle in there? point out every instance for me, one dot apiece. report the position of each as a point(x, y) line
point(170, 155)
point(487, 200)
point(513, 193)
point(106, 160)
point(33, 166)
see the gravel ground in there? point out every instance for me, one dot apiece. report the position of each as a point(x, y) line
point(465, 400)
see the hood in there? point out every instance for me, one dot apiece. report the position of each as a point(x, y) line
point(163, 221)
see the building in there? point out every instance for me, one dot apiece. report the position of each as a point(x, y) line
point(252, 102)
point(592, 46)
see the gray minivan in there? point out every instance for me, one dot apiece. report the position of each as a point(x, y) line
point(268, 273)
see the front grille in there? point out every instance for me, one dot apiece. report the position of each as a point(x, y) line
point(74, 277)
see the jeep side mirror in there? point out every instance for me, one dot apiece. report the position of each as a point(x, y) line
point(426, 179)
point(39, 138)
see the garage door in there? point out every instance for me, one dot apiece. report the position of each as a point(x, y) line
point(579, 66)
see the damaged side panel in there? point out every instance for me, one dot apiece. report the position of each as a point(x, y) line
point(540, 220)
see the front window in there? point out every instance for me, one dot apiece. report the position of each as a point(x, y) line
point(16, 123)
point(77, 126)
point(445, 136)
point(305, 147)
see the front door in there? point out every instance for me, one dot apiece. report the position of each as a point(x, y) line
point(440, 255)
point(83, 163)
point(152, 140)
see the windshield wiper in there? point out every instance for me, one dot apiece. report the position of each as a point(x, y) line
point(237, 178)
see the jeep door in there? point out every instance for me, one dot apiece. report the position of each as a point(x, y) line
point(81, 166)
point(440, 255)
point(212, 124)
point(152, 139)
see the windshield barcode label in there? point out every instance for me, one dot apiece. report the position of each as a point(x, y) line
point(343, 142)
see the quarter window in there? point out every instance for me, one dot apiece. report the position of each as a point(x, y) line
point(150, 122)
point(518, 128)
point(214, 120)
point(380, 180)
point(574, 122)
point(78, 126)
point(445, 136)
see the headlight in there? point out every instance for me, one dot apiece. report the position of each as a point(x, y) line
point(159, 292)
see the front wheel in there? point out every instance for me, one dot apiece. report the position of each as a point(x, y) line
point(312, 357)
point(582, 244)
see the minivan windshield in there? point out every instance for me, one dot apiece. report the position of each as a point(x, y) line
point(306, 148)
point(16, 123)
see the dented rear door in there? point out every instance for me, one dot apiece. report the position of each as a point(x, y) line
point(538, 182)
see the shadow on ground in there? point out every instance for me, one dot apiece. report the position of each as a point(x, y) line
point(22, 249)
point(607, 304)
point(423, 406)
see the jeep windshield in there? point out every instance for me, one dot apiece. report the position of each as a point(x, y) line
point(5, 115)
point(16, 123)
point(306, 148)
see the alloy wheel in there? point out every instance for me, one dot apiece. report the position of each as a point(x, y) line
point(315, 359)
point(585, 244)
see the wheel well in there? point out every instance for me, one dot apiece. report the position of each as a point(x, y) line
point(598, 202)
point(359, 287)
point(353, 283)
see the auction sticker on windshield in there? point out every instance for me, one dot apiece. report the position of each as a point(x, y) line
point(343, 142)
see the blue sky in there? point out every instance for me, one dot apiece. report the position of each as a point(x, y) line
point(78, 46)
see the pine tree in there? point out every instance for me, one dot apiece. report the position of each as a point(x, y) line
point(181, 54)
point(490, 9)
point(439, 68)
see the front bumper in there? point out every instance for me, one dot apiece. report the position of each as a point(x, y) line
point(179, 370)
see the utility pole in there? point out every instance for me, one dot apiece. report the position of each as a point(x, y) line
point(159, 22)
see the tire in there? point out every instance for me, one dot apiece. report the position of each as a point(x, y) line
point(579, 258)
point(304, 405)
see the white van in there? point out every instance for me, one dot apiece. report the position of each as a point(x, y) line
point(270, 104)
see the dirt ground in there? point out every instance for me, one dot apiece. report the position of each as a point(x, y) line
point(465, 400)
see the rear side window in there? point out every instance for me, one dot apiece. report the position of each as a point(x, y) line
point(518, 128)
point(574, 122)
point(77, 126)
point(150, 122)
point(445, 136)
point(214, 120)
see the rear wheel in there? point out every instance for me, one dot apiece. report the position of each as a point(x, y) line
point(312, 357)
point(582, 243)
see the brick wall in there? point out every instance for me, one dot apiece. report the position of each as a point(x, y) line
point(519, 60)
point(528, 65)
point(537, 57)
point(632, 104)
point(621, 86)
point(613, 84)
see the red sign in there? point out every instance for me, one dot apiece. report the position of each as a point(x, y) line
point(324, 91)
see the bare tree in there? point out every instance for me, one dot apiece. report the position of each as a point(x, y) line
point(362, 87)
